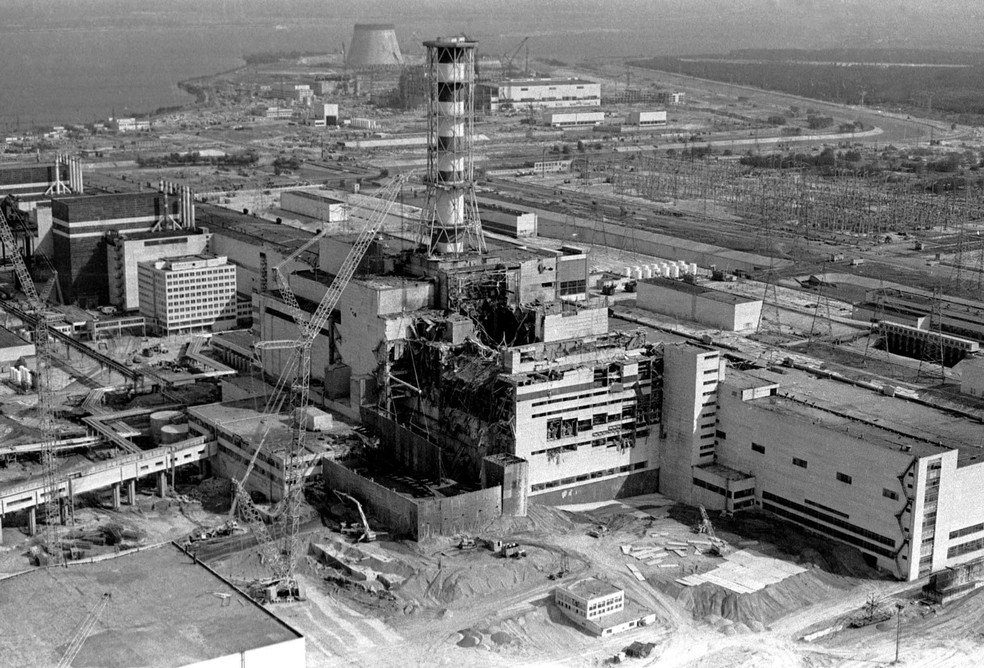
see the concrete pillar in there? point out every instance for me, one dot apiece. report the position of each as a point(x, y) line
point(116, 496)
point(1, 529)
point(131, 492)
point(32, 521)
point(62, 511)
point(162, 484)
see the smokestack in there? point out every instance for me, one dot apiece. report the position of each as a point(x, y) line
point(452, 210)
point(75, 175)
point(187, 208)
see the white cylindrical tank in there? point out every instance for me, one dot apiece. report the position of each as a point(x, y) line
point(161, 419)
point(693, 268)
point(26, 379)
point(173, 433)
point(627, 272)
point(674, 272)
point(637, 272)
point(647, 272)
point(14, 375)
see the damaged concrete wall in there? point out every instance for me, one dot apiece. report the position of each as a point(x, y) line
point(572, 325)
point(396, 511)
point(418, 518)
point(463, 513)
point(402, 446)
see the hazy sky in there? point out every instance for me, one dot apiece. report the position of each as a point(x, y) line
point(619, 27)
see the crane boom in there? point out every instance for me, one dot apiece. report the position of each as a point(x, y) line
point(42, 345)
point(75, 646)
point(281, 561)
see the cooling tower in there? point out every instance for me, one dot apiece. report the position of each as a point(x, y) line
point(373, 45)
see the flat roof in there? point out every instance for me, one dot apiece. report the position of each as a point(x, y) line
point(553, 81)
point(256, 231)
point(592, 588)
point(700, 290)
point(875, 418)
point(10, 340)
point(317, 195)
point(163, 612)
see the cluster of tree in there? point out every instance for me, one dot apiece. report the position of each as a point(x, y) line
point(284, 164)
point(827, 77)
point(195, 158)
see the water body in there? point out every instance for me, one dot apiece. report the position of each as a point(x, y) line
point(74, 61)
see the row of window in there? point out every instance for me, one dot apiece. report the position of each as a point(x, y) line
point(840, 535)
point(964, 548)
point(597, 404)
point(575, 287)
point(587, 476)
point(828, 518)
point(966, 531)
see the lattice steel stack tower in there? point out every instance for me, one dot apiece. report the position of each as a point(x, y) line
point(451, 224)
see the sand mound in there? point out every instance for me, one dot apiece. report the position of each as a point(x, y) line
point(711, 602)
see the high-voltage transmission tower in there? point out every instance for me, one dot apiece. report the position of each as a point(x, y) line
point(451, 222)
point(293, 389)
point(42, 344)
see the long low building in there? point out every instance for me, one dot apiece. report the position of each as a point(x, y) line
point(541, 93)
point(573, 118)
point(697, 303)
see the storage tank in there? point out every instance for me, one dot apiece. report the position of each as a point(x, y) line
point(674, 271)
point(174, 433)
point(627, 272)
point(693, 268)
point(647, 272)
point(161, 419)
point(637, 272)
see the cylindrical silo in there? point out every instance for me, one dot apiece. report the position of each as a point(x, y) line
point(173, 433)
point(161, 419)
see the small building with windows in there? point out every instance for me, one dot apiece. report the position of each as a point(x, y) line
point(599, 607)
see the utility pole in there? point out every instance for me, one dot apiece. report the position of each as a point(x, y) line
point(898, 629)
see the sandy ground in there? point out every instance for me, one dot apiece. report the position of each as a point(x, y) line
point(470, 608)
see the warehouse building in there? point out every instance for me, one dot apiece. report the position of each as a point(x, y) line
point(689, 301)
point(315, 204)
point(646, 118)
point(539, 93)
point(511, 222)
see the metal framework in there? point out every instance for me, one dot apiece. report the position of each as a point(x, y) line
point(280, 551)
point(451, 221)
point(42, 343)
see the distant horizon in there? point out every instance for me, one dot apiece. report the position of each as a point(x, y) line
point(71, 61)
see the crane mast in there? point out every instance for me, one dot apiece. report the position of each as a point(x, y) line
point(42, 344)
point(280, 552)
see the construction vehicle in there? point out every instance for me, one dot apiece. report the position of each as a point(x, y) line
point(36, 307)
point(362, 533)
point(292, 390)
point(467, 543)
point(85, 628)
point(227, 528)
point(719, 547)
point(564, 568)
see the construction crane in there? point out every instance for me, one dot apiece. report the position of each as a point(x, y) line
point(75, 646)
point(507, 59)
point(280, 555)
point(719, 547)
point(42, 344)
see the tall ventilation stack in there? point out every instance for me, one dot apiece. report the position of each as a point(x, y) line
point(451, 217)
point(373, 45)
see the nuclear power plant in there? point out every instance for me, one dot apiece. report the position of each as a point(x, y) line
point(374, 45)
